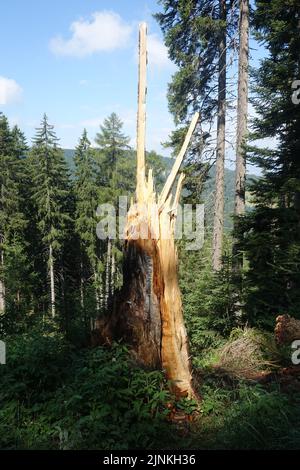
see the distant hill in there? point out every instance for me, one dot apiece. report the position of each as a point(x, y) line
point(69, 156)
point(208, 193)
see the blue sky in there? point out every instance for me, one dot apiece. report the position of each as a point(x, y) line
point(79, 77)
point(76, 60)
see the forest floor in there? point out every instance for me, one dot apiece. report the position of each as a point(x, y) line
point(54, 395)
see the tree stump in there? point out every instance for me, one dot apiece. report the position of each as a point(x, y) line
point(148, 315)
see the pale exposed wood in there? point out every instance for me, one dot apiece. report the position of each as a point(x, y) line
point(148, 315)
point(172, 176)
point(178, 192)
point(141, 115)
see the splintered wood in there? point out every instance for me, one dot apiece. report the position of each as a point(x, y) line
point(150, 230)
point(148, 316)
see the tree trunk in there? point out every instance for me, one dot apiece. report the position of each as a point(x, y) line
point(242, 114)
point(81, 286)
point(113, 274)
point(108, 275)
point(2, 285)
point(219, 191)
point(148, 314)
point(52, 282)
point(96, 292)
point(101, 297)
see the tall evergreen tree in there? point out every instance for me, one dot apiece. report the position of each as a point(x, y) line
point(272, 230)
point(50, 188)
point(112, 143)
point(87, 200)
point(198, 34)
point(12, 219)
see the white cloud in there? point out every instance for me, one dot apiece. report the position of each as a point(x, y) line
point(157, 52)
point(10, 91)
point(105, 31)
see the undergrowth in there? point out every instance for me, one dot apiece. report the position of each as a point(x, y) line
point(54, 396)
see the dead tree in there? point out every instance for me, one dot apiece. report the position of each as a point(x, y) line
point(217, 242)
point(148, 315)
point(242, 116)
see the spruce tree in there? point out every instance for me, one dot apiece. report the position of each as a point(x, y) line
point(272, 230)
point(50, 192)
point(86, 200)
point(199, 34)
point(112, 142)
point(113, 145)
point(12, 219)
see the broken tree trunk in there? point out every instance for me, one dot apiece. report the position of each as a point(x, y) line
point(148, 315)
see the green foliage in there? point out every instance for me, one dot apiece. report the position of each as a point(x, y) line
point(270, 235)
point(50, 192)
point(191, 30)
point(53, 398)
point(187, 405)
point(208, 300)
point(112, 143)
point(37, 363)
point(57, 394)
point(248, 417)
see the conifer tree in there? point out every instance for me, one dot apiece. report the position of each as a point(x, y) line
point(50, 190)
point(12, 219)
point(86, 200)
point(199, 34)
point(271, 231)
point(112, 143)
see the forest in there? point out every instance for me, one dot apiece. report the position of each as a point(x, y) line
point(144, 341)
